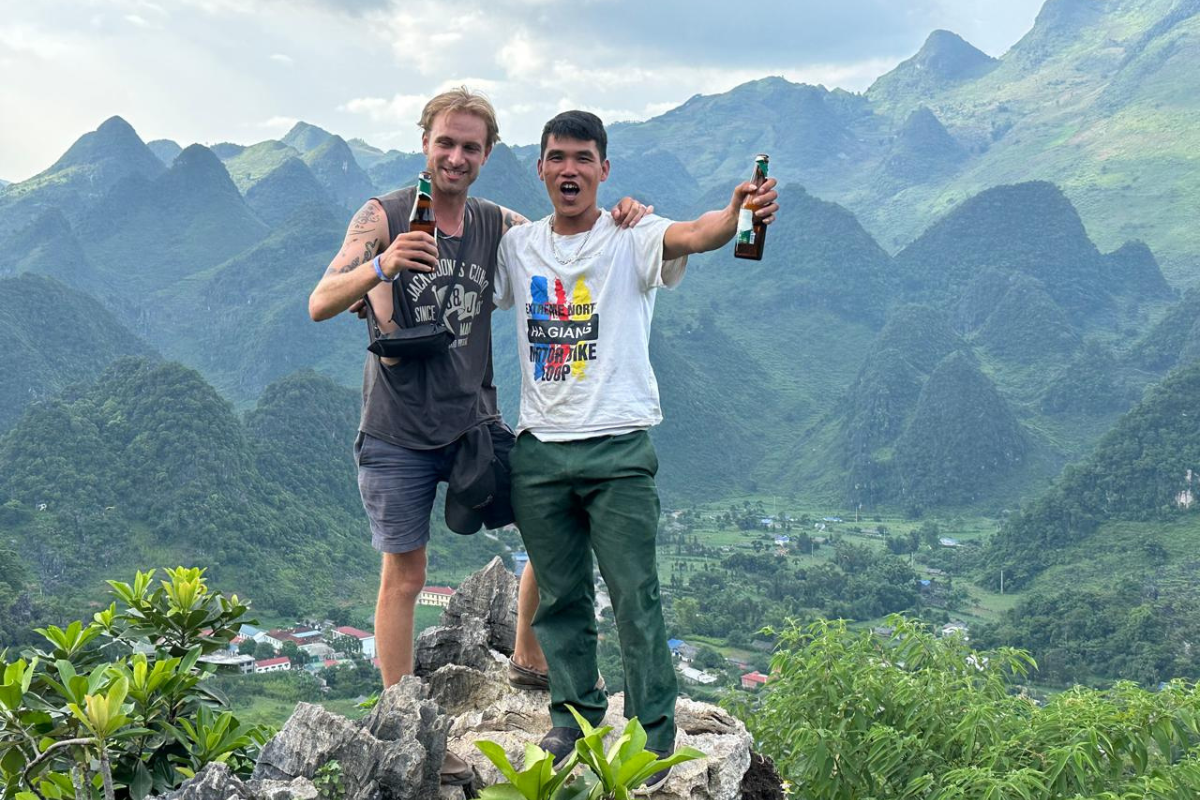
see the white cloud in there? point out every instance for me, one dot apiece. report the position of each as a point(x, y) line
point(365, 68)
point(520, 58)
point(400, 108)
point(32, 40)
point(282, 124)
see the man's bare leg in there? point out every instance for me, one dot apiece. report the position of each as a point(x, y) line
point(401, 580)
point(526, 651)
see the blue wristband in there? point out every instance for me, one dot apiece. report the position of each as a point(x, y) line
point(379, 271)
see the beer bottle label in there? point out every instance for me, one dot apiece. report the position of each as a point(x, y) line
point(424, 188)
point(762, 167)
point(745, 227)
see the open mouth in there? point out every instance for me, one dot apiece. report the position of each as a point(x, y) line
point(569, 189)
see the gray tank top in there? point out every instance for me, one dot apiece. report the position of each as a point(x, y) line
point(430, 403)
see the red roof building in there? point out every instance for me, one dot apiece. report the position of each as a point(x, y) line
point(278, 664)
point(346, 630)
point(435, 596)
point(753, 680)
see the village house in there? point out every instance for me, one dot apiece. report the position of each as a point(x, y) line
point(279, 664)
point(230, 662)
point(317, 651)
point(681, 649)
point(693, 675)
point(365, 640)
point(435, 596)
point(753, 680)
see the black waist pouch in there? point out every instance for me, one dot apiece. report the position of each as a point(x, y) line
point(424, 341)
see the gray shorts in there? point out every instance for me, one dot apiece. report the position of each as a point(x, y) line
point(398, 486)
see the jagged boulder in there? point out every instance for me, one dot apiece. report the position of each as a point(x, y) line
point(481, 616)
point(483, 706)
point(214, 782)
point(491, 596)
point(395, 753)
point(464, 644)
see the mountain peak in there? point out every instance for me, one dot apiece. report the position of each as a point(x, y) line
point(116, 126)
point(305, 137)
point(1057, 27)
point(333, 164)
point(197, 179)
point(198, 159)
point(962, 437)
point(166, 150)
point(114, 141)
point(1031, 228)
point(923, 127)
point(284, 190)
point(923, 150)
point(952, 57)
point(944, 60)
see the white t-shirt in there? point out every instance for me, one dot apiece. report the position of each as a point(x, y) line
point(583, 328)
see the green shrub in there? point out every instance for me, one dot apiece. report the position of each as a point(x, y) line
point(119, 707)
point(853, 714)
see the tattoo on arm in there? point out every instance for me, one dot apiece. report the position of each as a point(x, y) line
point(364, 221)
point(512, 219)
point(367, 215)
point(367, 254)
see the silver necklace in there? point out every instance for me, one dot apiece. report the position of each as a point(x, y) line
point(566, 262)
point(462, 221)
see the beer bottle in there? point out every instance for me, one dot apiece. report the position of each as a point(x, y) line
point(751, 231)
point(421, 218)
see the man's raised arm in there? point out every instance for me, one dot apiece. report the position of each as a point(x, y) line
point(713, 229)
point(351, 273)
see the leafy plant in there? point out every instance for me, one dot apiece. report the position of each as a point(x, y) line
point(627, 763)
point(853, 714)
point(537, 781)
point(328, 781)
point(119, 705)
point(612, 774)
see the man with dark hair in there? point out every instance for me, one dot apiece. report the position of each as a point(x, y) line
point(417, 413)
point(583, 466)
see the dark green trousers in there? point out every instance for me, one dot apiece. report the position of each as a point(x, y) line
point(573, 499)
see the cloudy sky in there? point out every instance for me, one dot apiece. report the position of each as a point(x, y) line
point(245, 70)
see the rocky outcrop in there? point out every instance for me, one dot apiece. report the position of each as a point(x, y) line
point(483, 706)
point(396, 752)
point(481, 616)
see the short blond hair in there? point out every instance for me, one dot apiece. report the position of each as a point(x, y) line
point(462, 99)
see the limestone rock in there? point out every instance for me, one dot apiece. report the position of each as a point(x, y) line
point(214, 782)
point(489, 595)
point(295, 789)
point(405, 711)
point(464, 644)
point(402, 766)
point(484, 706)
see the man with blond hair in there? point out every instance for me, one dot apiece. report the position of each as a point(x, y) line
point(417, 413)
